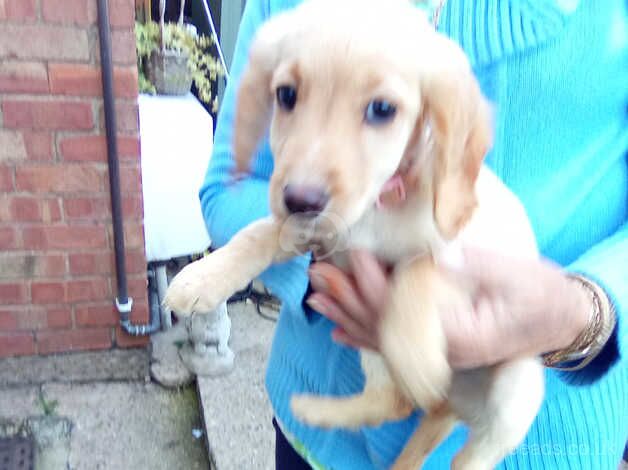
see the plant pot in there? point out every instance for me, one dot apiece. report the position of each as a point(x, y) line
point(168, 71)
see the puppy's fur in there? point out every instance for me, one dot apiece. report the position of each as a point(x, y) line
point(339, 56)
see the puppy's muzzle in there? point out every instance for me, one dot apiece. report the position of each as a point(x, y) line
point(305, 200)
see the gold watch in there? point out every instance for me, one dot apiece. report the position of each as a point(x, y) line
point(593, 338)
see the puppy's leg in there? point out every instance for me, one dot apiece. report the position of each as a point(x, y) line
point(380, 401)
point(201, 286)
point(499, 412)
point(411, 335)
point(434, 427)
point(479, 453)
point(370, 408)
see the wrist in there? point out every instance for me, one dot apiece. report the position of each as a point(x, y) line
point(580, 311)
point(589, 324)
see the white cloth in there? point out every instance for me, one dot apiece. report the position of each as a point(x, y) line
point(176, 138)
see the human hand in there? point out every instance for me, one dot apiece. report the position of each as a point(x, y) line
point(520, 307)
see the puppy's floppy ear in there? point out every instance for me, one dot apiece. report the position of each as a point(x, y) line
point(255, 98)
point(461, 133)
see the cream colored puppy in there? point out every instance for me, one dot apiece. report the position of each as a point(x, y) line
point(362, 94)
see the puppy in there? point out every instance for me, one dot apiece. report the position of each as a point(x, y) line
point(362, 94)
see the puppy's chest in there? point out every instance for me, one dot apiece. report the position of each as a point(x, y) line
point(393, 234)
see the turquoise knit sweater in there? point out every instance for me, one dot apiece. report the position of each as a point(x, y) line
point(557, 73)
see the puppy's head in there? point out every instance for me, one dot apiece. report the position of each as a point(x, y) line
point(350, 89)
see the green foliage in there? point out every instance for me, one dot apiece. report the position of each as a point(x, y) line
point(48, 407)
point(204, 66)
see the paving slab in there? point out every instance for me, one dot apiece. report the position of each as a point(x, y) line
point(118, 418)
point(235, 408)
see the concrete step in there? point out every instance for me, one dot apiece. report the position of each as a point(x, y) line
point(234, 407)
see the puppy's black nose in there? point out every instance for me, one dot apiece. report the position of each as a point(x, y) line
point(305, 199)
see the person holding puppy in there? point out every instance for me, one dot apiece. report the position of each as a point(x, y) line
point(554, 73)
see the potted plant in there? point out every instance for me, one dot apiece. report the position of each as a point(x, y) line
point(173, 55)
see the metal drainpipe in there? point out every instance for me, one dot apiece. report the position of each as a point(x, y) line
point(124, 303)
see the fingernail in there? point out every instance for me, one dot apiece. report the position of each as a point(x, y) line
point(315, 304)
point(319, 283)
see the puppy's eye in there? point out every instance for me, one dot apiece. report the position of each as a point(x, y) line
point(287, 97)
point(379, 112)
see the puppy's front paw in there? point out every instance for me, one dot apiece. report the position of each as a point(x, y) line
point(195, 290)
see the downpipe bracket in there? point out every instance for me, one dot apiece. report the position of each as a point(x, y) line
point(124, 307)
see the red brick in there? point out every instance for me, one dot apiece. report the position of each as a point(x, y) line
point(51, 210)
point(8, 238)
point(8, 320)
point(25, 209)
point(130, 178)
point(6, 178)
point(124, 340)
point(126, 114)
point(40, 318)
point(122, 47)
point(86, 208)
point(57, 178)
point(135, 262)
point(13, 293)
point(122, 13)
point(44, 42)
point(48, 292)
point(133, 207)
point(65, 11)
point(85, 80)
point(12, 148)
point(73, 340)
point(62, 237)
point(59, 317)
point(31, 319)
point(94, 148)
point(50, 266)
point(137, 286)
point(54, 115)
point(85, 264)
point(23, 77)
point(140, 313)
point(133, 235)
point(102, 263)
point(5, 213)
point(17, 10)
point(38, 145)
point(106, 314)
point(16, 344)
point(97, 315)
point(139, 316)
point(88, 290)
point(26, 265)
point(29, 209)
point(129, 149)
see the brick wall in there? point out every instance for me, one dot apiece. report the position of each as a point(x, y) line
point(57, 280)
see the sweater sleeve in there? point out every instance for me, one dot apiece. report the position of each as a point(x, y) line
point(227, 206)
point(607, 264)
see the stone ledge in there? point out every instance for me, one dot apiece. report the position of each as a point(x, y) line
point(235, 409)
